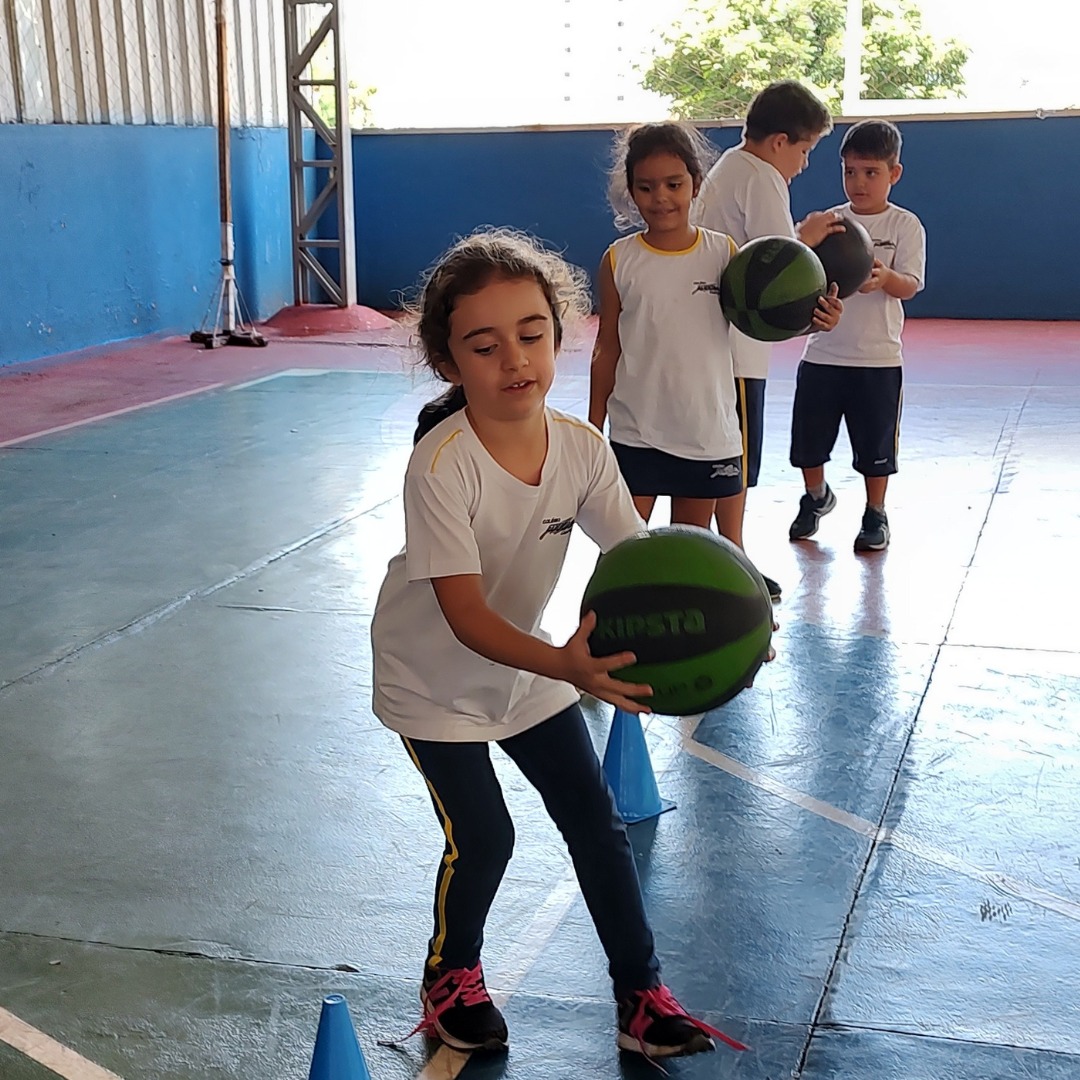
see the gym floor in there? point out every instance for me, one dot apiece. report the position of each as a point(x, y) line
point(873, 870)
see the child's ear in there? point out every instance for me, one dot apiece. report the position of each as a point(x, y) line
point(896, 172)
point(779, 141)
point(448, 370)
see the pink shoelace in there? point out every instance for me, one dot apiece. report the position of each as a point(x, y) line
point(662, 1003)
point(464, 983)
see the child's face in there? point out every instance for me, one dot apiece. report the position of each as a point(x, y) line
point(791, 157)
point(867, 183)
point(663, 190)
point(502, 349)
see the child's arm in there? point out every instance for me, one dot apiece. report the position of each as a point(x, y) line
point(902, 286)
point(905, 277)
point(477, 627)
point(608, 349)
point(765, 205)
point(606, 513)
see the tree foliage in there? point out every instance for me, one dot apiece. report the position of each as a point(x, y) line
point(722, 52)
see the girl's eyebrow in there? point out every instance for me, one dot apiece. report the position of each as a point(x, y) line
point(491, 329)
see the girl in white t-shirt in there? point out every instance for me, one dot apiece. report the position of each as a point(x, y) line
point(495, 484)
point(662, 371)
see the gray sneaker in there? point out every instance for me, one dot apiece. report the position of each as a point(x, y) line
point(811, 511)
point(874, 534)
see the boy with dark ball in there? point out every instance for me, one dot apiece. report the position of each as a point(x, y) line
point(855, 372)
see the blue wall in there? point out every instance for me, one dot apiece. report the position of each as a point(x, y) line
point(112, 232)
point(998, 199)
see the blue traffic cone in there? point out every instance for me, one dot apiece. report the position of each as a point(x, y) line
point(629, 771)
point(337, 1053)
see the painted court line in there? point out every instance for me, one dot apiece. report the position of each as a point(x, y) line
point(1018, 889)
point(46, 1051)
point(286, 373)
point(109, 415)
point(447, 1064)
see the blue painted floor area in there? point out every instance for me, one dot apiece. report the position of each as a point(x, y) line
point(872, 872)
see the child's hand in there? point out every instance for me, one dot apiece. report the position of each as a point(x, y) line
point(830, 308)
point(816, 226)
point(592, 673)
point(876, 280)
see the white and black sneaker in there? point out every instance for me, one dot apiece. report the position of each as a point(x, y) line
point(811, 511)
point(874, 534)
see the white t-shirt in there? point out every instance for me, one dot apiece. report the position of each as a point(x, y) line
point(465, 514)
point(674, 387)
point(868, 334)
point(746, 198)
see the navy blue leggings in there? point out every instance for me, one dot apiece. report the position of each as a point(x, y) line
point(558, 759)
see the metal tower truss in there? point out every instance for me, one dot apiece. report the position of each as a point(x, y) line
point(319, 184)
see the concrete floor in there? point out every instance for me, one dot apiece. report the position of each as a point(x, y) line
point(873, 870)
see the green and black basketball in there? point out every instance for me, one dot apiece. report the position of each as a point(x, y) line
point(771, 287)
point(691, 607)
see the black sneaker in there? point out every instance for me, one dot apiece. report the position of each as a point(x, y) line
point(811, 511)
point(773, 587)
point(874, 534)
point(653, 1023)
point(459, 1011)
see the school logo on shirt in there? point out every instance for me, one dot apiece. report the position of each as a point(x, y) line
point(706, 286)
point(557, 526)
point(890, 245)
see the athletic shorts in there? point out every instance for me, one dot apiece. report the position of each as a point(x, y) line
point(867, 399)
point(653, 472)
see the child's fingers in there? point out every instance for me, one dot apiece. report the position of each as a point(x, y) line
point(637, 690)
point(626, 704)
point(618, 660)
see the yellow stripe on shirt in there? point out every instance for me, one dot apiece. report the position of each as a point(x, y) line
point(445, 443)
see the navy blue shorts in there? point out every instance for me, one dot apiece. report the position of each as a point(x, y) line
point(654, 472)
point(867, 399)
point(750, 405)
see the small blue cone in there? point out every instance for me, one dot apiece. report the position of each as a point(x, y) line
point(337, 1053)
point(629, 771)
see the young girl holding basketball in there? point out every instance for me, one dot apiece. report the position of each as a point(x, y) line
point(662, 370)
point(495, 483)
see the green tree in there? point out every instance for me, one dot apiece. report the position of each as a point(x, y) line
point(722, 52)
point(359, 104)
point(323, 97)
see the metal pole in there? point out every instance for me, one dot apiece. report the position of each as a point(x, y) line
point(228, 250)
point(229, 327)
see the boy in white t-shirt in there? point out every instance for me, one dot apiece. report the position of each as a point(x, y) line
point(745, 195)
point(856, 373)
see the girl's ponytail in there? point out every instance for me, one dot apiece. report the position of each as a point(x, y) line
point(435, 412)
